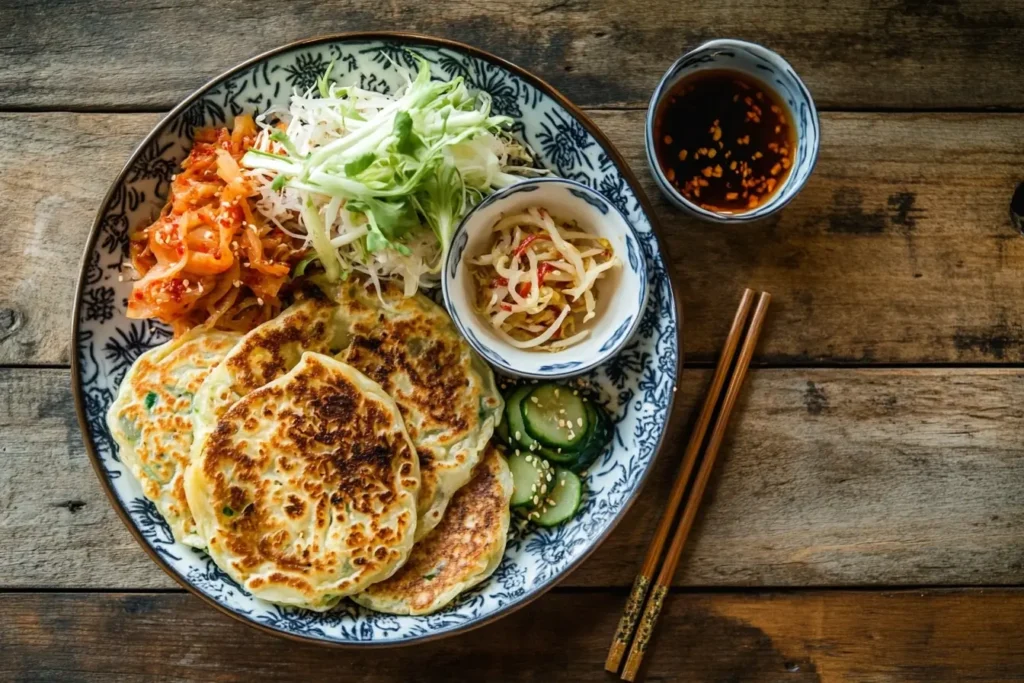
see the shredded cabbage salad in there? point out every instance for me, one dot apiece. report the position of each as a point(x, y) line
point(377, 183)
point(536, 285)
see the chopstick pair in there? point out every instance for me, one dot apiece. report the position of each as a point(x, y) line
point(635, 611)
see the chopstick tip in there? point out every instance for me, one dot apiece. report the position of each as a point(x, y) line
point(614, 659)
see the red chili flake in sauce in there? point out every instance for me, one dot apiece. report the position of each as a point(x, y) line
point(721, 114)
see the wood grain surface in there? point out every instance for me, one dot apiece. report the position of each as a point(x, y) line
point(928, 636)
point(899, 250)
point(852, 54)
point(850, 470)
point(827, 478)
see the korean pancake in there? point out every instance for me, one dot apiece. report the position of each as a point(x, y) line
point(305, 491)
point(151, 420)
point(263, 355)
point(447, 394)
point(463, 550)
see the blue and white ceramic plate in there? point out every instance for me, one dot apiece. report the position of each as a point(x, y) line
point(638, 384)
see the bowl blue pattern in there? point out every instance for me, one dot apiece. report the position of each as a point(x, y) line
point(624, 296)
point(637, 385)
point(768, 67)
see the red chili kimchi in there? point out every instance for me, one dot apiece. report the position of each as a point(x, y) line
point(210, 259)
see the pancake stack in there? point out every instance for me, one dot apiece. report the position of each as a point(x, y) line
point(338, 450)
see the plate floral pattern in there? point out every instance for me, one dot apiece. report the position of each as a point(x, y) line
point(637, 385)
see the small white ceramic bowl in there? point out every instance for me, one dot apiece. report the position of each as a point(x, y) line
point(775, 73)
point(621, 294)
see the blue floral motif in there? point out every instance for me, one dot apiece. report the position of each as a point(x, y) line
point(595, 202)
point(617, 334)
point(557, 367)
point(154, 162)
point(98, 304)
point(565, 143)
point(200, 114)
point(303, 73)
point(153, 527)
point(614, 187)
point(375, 83)
point(636, 386)
point(124, 349)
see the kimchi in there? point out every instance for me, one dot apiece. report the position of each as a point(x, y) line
point(209, 259)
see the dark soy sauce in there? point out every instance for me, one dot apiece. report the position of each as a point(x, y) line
point(724, 140)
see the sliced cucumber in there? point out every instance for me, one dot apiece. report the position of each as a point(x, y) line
point(562, 502)
point(555, 416)
point(532, 479)
point(562, 456)
point(597, 439)
point(514, 416)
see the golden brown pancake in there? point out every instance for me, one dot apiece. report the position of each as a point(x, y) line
point(463, 550)
point(151, 419)
point(447, 395)
point(263, 355)
point(305, 491)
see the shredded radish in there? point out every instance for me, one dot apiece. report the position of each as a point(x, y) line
point(376, 183)
point(536, 284)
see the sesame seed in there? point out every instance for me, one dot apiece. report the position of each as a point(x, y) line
point(536, 500)
point(561, 423)
point(556, 393)
point(517, 451)
point(550, 477)
point(575, 392)
point(534, 399)
point(519, 435)
point(550, 502)
point(579, 421)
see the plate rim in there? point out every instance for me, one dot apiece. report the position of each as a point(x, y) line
point(540, 84)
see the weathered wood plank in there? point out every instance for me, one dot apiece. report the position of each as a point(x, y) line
point(828, 478)
point(893, 53)
point(810, 636)
point(49, 194)
point(899, 250)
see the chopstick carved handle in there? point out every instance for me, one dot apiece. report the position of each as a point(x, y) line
point(630, 615)
point(644, 632)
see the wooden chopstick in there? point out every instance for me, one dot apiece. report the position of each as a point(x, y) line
point(634, 604)
point(675, 551)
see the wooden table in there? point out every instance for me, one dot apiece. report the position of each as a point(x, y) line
point(866, 521)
